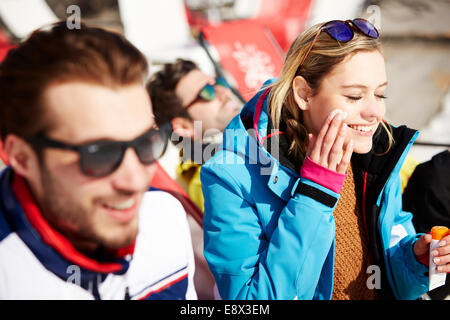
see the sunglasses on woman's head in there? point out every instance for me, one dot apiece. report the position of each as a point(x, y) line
point(343, 31)
point(103, 157)
point(208, 92)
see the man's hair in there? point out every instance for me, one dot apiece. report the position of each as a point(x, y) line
point(57, 55)
point(161, 88)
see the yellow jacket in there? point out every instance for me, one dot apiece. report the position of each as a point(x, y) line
point(189, 172)
point(407, 169)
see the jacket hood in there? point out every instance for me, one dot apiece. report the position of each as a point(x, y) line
point(245, 135)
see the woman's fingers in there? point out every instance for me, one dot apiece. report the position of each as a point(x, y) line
point(346, 157)
point(336, 152)
point(422, 245)
point(330, 138)
point(315, 154)
point(327, 137)
point(327, 148)
point(441, 255)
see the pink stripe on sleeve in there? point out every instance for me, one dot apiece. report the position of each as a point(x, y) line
point(323, 176)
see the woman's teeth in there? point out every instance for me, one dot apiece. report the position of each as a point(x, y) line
point(361, 128)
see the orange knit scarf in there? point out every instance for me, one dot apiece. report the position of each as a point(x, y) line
point(351, 248)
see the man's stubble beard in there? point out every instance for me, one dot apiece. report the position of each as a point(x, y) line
point(68, 216)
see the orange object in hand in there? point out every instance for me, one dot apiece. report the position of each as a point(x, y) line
point(436, 279)
point(439, 232)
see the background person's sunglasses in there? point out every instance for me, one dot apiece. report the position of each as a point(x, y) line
point(103, 157)
point(208, 92)
point(343, 31)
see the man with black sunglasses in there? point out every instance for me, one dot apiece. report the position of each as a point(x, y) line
point(77, 219)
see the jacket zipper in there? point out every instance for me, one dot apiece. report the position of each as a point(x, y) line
point(365, 219)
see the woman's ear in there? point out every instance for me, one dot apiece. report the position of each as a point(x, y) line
point(302, 92)
point(183, 127)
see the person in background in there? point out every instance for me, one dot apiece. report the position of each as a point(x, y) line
point(303, 200)
point(76, 218)
point(427, 196)
point(407, 170)
point(199, 107)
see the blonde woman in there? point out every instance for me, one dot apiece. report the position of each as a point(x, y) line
point(304, 199)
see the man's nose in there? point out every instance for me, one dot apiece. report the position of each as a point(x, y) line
point(223, 93)
point(132, 175)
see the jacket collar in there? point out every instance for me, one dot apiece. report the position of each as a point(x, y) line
point(243, 137)
point(379, 164)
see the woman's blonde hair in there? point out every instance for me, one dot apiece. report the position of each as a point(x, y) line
point(324, 55)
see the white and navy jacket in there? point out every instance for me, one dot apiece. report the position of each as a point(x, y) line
point(34, 264)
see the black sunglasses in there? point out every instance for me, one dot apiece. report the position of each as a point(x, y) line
point(103, 157)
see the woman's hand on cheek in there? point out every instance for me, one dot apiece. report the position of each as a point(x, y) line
point(329, 148)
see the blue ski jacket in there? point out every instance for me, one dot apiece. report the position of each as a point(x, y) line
point(269, 233)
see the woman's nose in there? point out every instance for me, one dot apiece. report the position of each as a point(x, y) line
point(373, 109)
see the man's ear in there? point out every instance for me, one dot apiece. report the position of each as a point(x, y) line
point(183, 127)
point(21, 156)
point(302, 92)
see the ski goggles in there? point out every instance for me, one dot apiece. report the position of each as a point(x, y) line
point(103, 157)
point(343, 31)
point(208, 92)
